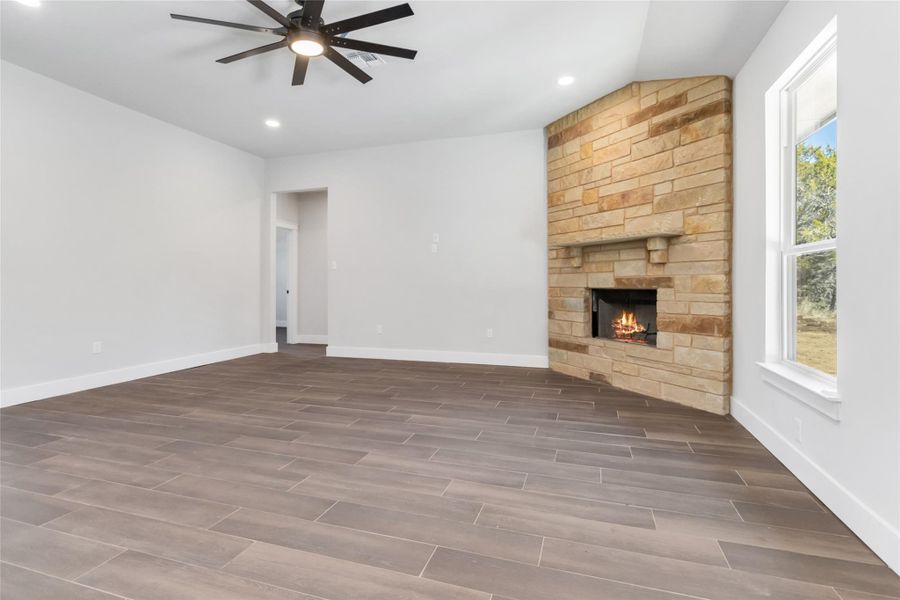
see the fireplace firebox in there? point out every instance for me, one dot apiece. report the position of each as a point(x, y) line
point(624, 315)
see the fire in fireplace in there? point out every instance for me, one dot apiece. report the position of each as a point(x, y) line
point(624, 315)
point(627, 327)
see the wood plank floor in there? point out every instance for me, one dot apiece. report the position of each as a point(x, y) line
point(294, 476)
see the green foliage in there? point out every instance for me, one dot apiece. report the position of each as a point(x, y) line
point(816, 193)
point(816, 220)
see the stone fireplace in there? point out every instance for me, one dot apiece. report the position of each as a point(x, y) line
point(639, 210)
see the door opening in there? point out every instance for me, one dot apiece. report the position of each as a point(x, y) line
point(296, 287)
point(286, 283)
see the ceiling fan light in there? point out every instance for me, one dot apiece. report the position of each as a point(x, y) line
point(307, 47)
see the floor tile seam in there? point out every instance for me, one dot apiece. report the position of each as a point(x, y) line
point(722, 552)
point(292, 458)
point(833, 588)
point(221, 570)
point(427, 562)
point(211, 527)
point(215, 477)
point(580, 574)
point(324, 512)
point(92, 569)
point(58, 578)
point(439, 463)
point(649, 508)
point(639, 507)
point(134, 514)
point(782, 528)
point(99, 541)
point(86, 479)
point(368, 532)
point(159, 485)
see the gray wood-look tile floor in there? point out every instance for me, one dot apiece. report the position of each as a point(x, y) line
point(294, 476)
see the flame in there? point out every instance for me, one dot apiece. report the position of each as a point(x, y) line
point(626, 325)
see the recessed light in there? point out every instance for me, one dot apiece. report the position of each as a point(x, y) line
point(31, 3)
point(566, 80)
point(273, 123)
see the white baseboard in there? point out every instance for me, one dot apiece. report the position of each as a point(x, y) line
point(57, 387)
point(280, 323)
point(882, 537)
point(312, 338)
point(447, 356)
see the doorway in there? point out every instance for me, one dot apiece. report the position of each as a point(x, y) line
point(286, 283)
point(299, 268)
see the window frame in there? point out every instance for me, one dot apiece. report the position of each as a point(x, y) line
point(804, 384)
point(789, 249)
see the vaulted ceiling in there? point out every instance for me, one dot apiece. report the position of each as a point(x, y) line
point(483, 66)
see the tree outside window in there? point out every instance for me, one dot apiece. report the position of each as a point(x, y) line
point(810, 239)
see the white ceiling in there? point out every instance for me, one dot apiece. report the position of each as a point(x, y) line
point(483, 66)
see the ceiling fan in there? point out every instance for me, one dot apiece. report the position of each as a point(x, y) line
point(307, 36)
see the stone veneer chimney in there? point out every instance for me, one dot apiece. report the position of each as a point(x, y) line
point(640, 197)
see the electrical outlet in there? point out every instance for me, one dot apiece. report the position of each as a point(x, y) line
point(97, 348)
point(334, 265)
point(435, 238)
point(798, 429)
point(489, 332)
point(379, 329)
point(434, 248)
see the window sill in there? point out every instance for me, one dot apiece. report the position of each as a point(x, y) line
point(808, 389)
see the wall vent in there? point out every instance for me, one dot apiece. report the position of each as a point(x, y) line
point(365, 60)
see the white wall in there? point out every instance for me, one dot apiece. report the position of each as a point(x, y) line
point(312, 266)
point(852, 464)
point(484, 196)
point(281, 268)
point(122, 229)
point(309, 212)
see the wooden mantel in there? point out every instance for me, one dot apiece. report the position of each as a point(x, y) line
point(582, 239)
point(657, 243)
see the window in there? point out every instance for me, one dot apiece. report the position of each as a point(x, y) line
point(801, 149)
point(809, 123)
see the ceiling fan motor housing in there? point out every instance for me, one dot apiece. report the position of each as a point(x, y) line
point(296, 18)
point(305, 33)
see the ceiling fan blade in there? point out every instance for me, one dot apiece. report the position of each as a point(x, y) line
point(341, 61)
point(312, 12)
point(374, 48)
point(274, 14)
point(368, 20)
point(253, 52)
point(226, 24)
point(300, 65)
